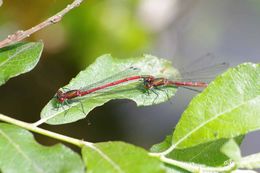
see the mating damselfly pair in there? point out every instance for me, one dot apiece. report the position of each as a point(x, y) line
point(149, 83)
point(146, 80)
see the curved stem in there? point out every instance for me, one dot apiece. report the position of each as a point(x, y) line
point(38, 130)
point(80, 143)
point(192, 167)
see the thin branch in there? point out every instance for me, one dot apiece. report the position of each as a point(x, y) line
point(80, 143)
point(197, 168)
point(20, 35)
point(31, 127)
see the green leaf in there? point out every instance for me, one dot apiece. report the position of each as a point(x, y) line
point(232, 150)
point(166, 143)
point(113, 157)
point(173, 169)
point(19, 58)
point(250, 162)
point(19, 152)
point(105, 67)
point(206, 154)
point(227, 108)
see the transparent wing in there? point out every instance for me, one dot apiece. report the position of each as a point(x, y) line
point(209, 70)
point(120, 75)
point(202, 69)
point(197, 90)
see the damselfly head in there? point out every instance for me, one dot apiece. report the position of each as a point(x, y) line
point(60, 96)
point(148, 80)
point(57, 101)
point(58, 104)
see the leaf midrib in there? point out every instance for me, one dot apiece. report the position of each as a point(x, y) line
point(20, 151)
point(210, 120)
point(15, 54)
point(108, 159)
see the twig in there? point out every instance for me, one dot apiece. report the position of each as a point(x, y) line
point(20, 35)
point(196, 167)
point(80, 143)
point(31, 127)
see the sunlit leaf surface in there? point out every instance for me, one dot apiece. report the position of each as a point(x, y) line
point(19, 58)
point(207, 154)
point(122, 158)
point(20, 153)
point(228, 107)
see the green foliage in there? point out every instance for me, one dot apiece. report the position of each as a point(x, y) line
point(207, 154)
point(19, 58)
point(232, 150)
point(227, 108)
point(103, 68)
point(205, 140)
point(116, 29)
point(20, 153)
point(120, 157)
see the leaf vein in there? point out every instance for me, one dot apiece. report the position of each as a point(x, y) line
point(210, 120)
point(20, 151)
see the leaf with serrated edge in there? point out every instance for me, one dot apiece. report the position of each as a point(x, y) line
point(227, 108)
point(120, 157)
point(18, 59)
point(20, 153)
point(104, 67)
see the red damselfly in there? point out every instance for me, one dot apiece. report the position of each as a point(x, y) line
point(149, 82)
point(203, 70)
point(114, 80)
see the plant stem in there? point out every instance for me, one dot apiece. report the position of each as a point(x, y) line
point(195, 167)
point(20, 35)
point(179, 164)
point(35, 129)
point(81, 143)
